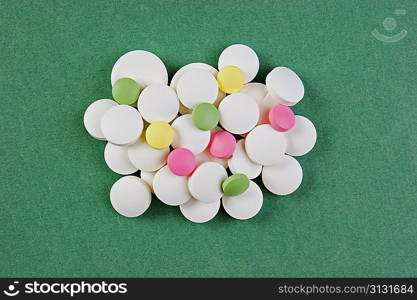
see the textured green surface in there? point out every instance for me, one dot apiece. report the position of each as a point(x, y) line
point(355, 213)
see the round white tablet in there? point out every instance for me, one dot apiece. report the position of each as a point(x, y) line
point(205, 156)
point(284, 177)
point(245, 205)
point(93, 115)
point(158, 102)
point(196, 86)
point(180, 72)
point(130, 196)
point(198, 211)
point(242, 57)
point(257, 91)
point(142, 66)
point(146, 158)
point(240, 163)
point(122, 125)
point(301, 138)
point(205, 184)
point(284, 84)
point(170, 188)
point(188, 136)
point(239, 113)
point(148, 178)
point(117, 159)
point(264, 145)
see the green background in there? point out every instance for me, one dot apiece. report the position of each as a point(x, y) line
point(355, 213)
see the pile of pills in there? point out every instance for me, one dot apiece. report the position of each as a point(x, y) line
point(200, 141)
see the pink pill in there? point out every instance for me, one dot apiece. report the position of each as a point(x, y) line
point(181, 162)
point(222, 144)
point(281, 118)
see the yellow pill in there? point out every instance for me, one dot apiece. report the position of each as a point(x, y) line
point(230, 79)
point(159, 135)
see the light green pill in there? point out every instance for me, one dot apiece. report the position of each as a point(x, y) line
point(205, 116)
point(126, 91)
point(235, 185)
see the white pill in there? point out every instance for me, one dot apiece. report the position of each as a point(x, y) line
point(245, 205)
point(93, 115)
point(257, 91)
point(158, 102)
point(205, 156)
point(284, 177)
point(148, 178)
point(188, 136)
point(180, 72)
point(122, 125)
point(198, 211)
point(146, 158)
point(142, 66)
point(239, 113)
point(117, 159)
point(196, 86)
point(130, 196)
point(206, 181)
point(301, 138)
point(240, 163)
point(264, 145)
point(284, 83)
point(242, 57)
point(170, 188)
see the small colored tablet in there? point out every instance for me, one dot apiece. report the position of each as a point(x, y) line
point(205, 116)
point(126, 91)
point(181, 162)
point(235, 185)
point(281, 118)
point(159, 135)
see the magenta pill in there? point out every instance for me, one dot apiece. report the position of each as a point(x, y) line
point(281, 118)
point(181, 162)
point(222, 144)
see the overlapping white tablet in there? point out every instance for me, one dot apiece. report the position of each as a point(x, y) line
point(188, 136)
point(93, 115)
point(142, 66)
point(130, 196)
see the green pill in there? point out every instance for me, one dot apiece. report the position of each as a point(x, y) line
point(126, 91)
point(235, 185)
point(205, 116)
